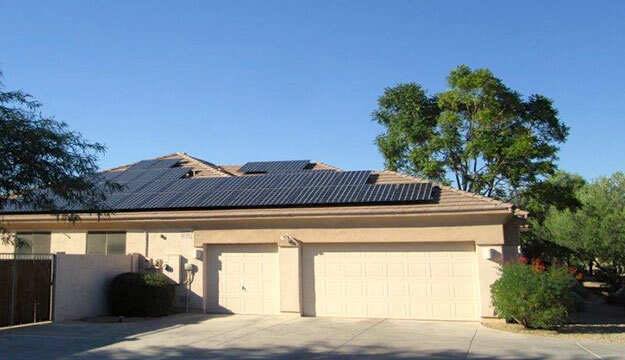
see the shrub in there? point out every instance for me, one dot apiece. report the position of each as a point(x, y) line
point(617, 297)
point(141, 294)
point(534, 299)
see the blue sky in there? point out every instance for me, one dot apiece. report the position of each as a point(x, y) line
point(236, 81)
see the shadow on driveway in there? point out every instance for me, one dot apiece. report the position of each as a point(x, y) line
point(200, 336)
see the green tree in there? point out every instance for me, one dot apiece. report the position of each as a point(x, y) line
point(595, 232)
point(558, 191)
point(44, 165)
point(489, 138)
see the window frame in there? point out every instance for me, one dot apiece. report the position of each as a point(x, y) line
point(32, 243)
point(107, 249)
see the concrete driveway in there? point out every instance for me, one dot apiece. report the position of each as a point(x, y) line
point(196, 336)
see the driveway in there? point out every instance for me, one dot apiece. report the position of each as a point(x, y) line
point(197, 336)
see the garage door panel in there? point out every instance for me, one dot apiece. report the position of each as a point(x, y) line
point(464, 310)
point(441, 291)
point(242, 279)
point(417, 269)
point(397, 287)
point(423, 281)
point(440, 269)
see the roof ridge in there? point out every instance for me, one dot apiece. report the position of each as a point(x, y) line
point(201, 164)
point(126, 166)
point(332, 167)
point(193, 162)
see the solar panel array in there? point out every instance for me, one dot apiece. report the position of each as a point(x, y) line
point(274, 166)
point(160, 184)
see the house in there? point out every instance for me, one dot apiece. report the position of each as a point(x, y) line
point(296, 237)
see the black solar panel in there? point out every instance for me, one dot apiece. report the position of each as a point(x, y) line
point(274, 166)
point(154, 164)
point(159, 184)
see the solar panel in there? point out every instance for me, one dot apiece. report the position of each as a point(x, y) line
point(159, 184)
point(164, 163)
point(274, 166)
point(154, 164)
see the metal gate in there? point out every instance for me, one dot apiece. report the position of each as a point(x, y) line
point(26, 288)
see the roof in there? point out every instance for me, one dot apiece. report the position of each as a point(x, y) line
point(449, 198)
point(179, 181)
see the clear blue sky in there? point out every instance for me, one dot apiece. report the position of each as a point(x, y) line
point(238, 81)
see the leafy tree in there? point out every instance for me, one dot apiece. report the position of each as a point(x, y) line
point(558, 191)
point(44, 165)
point(488, 137)
point(595, 232)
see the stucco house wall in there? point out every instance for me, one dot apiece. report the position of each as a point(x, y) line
point(177, 239)
point(81, 284)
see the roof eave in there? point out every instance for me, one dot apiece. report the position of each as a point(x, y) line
point(206, 215)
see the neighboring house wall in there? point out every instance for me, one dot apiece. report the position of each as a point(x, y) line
point(81, 283)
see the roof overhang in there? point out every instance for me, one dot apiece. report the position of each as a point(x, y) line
point(411, 215)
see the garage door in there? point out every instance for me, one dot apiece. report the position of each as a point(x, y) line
point(242, 279)
point(409, 281)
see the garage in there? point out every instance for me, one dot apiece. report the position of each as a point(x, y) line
point(391, 280)
point(242, 279)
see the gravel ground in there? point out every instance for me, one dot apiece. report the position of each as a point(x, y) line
point(600, 322)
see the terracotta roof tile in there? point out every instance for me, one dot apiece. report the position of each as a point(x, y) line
point(449, 197)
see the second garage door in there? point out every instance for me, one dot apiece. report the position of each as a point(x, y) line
point(410, 281)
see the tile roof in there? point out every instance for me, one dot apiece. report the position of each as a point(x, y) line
point(449, 198)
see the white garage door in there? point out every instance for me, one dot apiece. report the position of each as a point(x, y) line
point(409, 281)
point(242, 279)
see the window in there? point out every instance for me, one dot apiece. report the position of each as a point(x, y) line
point(106, 243)
point(32, 243)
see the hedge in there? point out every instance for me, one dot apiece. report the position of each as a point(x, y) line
point(142, 294)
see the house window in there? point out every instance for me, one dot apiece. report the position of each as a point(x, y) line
point(106, 243)
point(32, 243)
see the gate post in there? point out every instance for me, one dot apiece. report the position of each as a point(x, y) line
point(13, 286)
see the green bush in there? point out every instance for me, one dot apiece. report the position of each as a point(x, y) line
point(534, 299)
point(141, 294)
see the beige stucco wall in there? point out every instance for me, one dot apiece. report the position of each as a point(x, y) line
point(136, 242)
point(176, 248)
point(482, 234)
point(68, 242)
point(489, 259)
point(81, 284)
point(180, 240)
point(290, 273)
point(5, 245)
point(492, 241)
